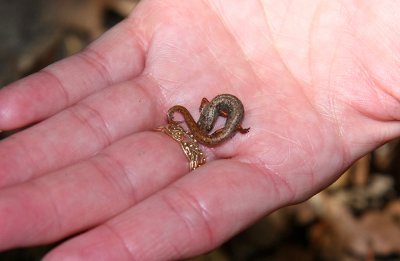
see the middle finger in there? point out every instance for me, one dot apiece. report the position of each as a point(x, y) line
point(78, 132)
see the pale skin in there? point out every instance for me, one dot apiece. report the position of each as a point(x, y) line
point(319, 82)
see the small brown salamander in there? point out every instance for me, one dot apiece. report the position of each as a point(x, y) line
point(225, 105)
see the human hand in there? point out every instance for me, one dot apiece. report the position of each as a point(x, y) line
point(318, 83)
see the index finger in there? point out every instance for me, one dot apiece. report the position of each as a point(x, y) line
point(117, 56)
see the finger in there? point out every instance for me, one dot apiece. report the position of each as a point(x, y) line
point(117, 56)
point(189, 217)
point(86, 194)
point(78, 132)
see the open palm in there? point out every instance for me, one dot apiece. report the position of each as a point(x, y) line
point(318, 84)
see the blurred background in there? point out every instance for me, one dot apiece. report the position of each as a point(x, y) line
point(357, 218)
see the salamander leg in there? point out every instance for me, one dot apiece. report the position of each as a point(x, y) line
point(203, 104)
point(240, 129)
point(223, 113)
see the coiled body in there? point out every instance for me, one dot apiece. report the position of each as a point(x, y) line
point(225, 105)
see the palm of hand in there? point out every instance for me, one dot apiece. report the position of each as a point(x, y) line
point(95, 163)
